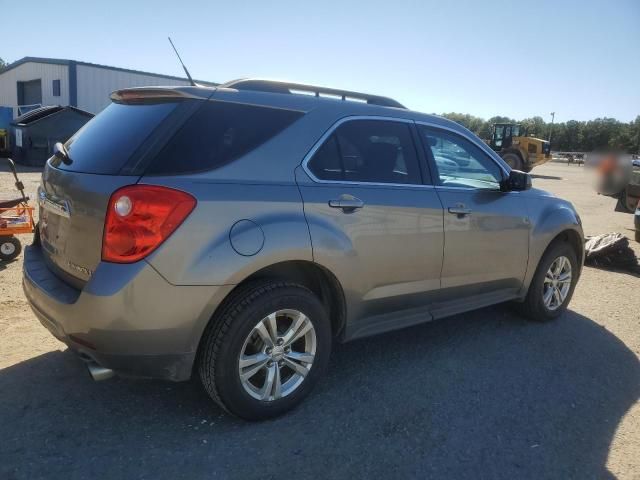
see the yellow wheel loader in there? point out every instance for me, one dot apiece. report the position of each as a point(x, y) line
point(520, 151)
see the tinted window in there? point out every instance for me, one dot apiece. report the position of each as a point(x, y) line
point(326, 164)
point(219, 133)
point(459, 162)
point(368, 151)
point(106, 143)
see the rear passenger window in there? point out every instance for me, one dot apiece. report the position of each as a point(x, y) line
point(370, 151)
point(219, 133)
point(327, 161)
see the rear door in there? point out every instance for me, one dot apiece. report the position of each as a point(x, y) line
point(373, 222)
point(486, 231)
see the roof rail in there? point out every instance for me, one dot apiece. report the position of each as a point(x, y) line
point(275, 86)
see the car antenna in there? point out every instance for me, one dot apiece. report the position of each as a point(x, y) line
point(182, 63)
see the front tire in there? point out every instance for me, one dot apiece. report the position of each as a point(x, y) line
point(513, 160)
point(10, 248)
point(265, 350)
point(553, 283)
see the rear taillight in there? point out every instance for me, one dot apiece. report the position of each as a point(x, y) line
point(140, 218)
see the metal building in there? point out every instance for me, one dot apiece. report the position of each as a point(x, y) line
point(33, 82)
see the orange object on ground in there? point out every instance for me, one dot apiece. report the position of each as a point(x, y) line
point(16, 220)
point(16, 217)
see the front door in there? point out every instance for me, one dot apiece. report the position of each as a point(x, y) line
point(486, 231)
point(372, 221)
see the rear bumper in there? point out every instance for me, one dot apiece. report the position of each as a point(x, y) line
point(126, 318)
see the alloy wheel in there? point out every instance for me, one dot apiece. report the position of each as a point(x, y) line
point(277, 355)
point(557, 283)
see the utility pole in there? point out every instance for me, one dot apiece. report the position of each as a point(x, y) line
point(553, 115)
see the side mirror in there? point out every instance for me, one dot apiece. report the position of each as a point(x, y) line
point(517, 181)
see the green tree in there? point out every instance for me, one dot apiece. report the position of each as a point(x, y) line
point(536, 127)
point(635, 129)
point(474, 124)
point(573, 135)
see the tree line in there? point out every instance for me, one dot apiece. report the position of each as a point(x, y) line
point(571, 136)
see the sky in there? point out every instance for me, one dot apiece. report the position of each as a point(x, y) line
point(580, 59)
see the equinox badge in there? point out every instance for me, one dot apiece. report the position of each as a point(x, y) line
point(59, 208)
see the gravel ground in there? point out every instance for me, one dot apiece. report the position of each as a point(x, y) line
point(480, 395)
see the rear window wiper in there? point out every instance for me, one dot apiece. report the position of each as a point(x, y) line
point(62, 154)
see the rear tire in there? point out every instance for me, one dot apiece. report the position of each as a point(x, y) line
point(545, 283)
point(513, 160)
point(241, 333)
point(10, 248)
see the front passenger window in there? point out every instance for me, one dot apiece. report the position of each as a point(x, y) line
point(460, 163)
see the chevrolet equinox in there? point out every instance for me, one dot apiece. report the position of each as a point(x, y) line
point(235, 232)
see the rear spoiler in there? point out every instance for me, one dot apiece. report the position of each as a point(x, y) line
point(141, 95)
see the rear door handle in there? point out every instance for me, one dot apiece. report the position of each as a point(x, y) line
point(346, 204)
point(460, 211)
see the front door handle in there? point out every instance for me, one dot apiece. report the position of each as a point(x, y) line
point(346, 203)
point(460, 211)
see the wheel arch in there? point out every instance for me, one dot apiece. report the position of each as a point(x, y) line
point(574, 239)
point(567, 234)
point(316, 278)
point(322, 282)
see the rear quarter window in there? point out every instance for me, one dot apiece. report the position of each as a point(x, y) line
point(219, 133)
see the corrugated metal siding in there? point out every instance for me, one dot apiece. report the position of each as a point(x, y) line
point(33, 71)
point(96, 84)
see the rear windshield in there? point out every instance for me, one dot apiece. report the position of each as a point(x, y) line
point(104, 145)
point(218, 133)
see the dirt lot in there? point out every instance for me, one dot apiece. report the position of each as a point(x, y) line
point(481, 395)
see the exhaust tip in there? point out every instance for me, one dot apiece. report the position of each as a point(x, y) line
point(99, 373)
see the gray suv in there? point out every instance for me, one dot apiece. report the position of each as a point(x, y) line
point(236, 232)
